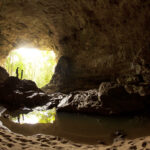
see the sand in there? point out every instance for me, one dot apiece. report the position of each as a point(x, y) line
point(13, 141)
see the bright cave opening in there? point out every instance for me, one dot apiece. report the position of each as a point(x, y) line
point(33, 64)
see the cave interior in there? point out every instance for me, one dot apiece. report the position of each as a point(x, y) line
point(101, 49)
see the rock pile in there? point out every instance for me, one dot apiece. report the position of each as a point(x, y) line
point(16, 93)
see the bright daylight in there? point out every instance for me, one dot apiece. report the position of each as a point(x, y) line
point(46, 116)
point(36, 65)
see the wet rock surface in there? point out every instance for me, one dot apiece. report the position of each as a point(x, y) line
point(80, 101)
point(54, 100)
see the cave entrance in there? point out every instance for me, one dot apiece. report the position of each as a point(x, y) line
point(37, 65)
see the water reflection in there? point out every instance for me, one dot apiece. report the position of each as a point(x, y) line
point(79, 127)
point(45, 116)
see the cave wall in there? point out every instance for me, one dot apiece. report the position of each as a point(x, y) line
point(3, 75)
point(100, 40)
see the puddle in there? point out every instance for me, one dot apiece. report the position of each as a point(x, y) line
point(77, 127)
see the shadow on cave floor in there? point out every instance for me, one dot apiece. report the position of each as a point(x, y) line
point(83, 128)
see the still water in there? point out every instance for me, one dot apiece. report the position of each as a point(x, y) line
point(77, 127)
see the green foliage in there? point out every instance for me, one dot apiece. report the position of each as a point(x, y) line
point(38, 68)
point(46, 116)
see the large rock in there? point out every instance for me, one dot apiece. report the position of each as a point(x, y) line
point(13, 83)
point(117, 100)
point(80, 101)
point(54, 100)
point(110, 99)
point(3, 75)
point(16, 93)
point(63, 77)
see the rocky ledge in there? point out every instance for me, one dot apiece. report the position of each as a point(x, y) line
point(110, 99)
point(16, 93)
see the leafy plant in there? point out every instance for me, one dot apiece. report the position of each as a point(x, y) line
point(45, 116)
point(38, 68)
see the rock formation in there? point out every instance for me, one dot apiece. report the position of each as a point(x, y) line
point(16, 93)
point(3, 75)
point(98, 43)
point(110, 99)
point(103, 55)
point(102, 39)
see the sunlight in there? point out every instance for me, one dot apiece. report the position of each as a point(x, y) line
point(29, 53)
point(32, 54)
point(30, 120)
point(37, 65)
point(46, 116)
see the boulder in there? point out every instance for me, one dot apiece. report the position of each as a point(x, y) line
point(16, 93)
point(80, 101)
point(109, 99)
point(13, 83)
point(117, 100)
point(54, 100)
point(3, 75)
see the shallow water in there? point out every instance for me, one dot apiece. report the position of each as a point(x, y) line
point(84, 128)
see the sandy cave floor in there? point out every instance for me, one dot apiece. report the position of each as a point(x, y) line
point(13, 141)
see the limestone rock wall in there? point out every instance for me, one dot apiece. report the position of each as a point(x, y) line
point(103, 39)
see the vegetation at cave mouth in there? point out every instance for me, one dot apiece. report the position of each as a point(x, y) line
point(37, 65)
